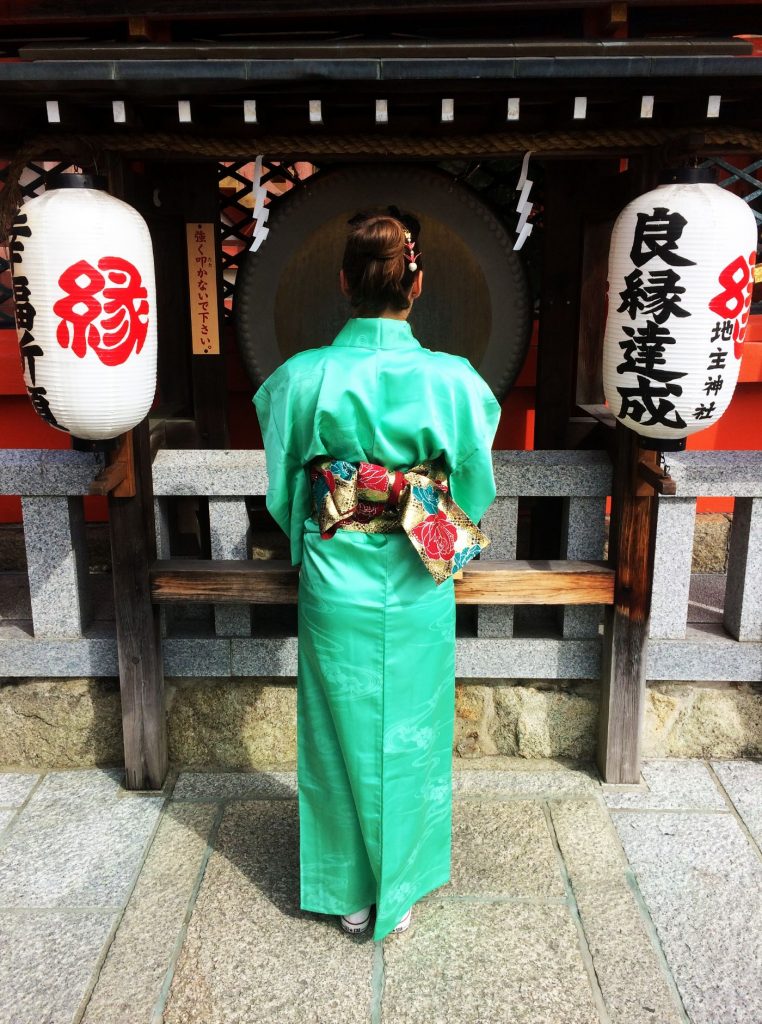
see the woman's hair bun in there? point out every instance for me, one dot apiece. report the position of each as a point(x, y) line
point(377, 272)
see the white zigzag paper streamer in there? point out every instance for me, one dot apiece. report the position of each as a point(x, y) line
point(260, 213)
point(524, 206)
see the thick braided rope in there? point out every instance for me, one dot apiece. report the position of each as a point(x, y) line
point(313, 145)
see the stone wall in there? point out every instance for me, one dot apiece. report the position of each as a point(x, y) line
point(251, 723)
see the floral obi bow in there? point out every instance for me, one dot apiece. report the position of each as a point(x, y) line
point(371, 498)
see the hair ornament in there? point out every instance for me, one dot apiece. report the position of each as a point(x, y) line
point(410, 255)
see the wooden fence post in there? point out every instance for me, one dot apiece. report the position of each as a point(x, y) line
point(141, 677)
point(133, 549)
point(632, 538)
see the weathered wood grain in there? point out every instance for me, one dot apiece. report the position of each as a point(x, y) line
point(533, 581)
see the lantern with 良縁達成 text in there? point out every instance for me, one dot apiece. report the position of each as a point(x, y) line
point(680, 280)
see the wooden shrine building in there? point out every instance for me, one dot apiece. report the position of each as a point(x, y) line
point(438, 106)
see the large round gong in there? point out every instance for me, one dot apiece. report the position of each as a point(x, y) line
point(475, 298)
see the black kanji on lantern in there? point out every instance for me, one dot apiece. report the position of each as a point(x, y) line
point(717, 359)
point(722, 331)
point(713, 385)
point(19, 229)
point(42, 406)
point(659, 297)
point(644, 349)
point(657, 234)
point(703, 412)
point(30, 350)
point(647, 399)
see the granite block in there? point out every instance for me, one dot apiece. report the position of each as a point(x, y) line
point(189, 656)
point(56, 553)
point(487, 963)
point(582, 538)
point(552, 473)
point(224, 473)
point(130, 981)
point(501, 850)
point(67, 854)
point(250, 952)
point(67, 471)
point(229, 528)
point(742, 781)
point(717, 473)
point(209, 786)
point(20, 655)
point(500, 523)
point(54, 956)
point(672, 566)
point(525, 658)
point(15, 787)
point(20, 471)
point(264, 657)
point(702, 883)
point(672, 783)
point(743, 593)
point(706, 653)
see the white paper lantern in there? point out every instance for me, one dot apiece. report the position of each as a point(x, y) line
point(85, 297)
point(679, 292)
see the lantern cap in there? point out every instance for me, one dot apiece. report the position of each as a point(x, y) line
point(687, 176)
point(662, 444)
point(62, 179)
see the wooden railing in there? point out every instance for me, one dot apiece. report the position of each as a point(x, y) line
point(605, 608)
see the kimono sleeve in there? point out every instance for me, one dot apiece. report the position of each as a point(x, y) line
point(472, 477)
point(288, 498)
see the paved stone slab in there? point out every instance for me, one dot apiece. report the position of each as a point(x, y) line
point(673, 783)
point(87, 785)
point(588, 842)
point(7, 815)
point(486, 963)
point(205, 786)
point(54, 955)
point(130, 981)
point(702, 883)
point(635, 985)
point(67, 854)
point(516, 776)
point(501, 849)
point(15, 787)
point(742, 780)
point(250, 953)
point(629, 969)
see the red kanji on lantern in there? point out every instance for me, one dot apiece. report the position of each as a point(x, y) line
point(120, 295)
point(734, 301)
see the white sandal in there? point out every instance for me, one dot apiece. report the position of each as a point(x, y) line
point(357, 922)
point(404, 924)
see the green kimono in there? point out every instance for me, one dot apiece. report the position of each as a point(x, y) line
point(376, 633)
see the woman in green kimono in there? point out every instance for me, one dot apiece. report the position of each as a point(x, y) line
point(379, 466)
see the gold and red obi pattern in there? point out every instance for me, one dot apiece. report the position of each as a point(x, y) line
point(373, 499)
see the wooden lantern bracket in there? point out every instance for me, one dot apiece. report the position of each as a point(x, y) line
point(118, 475)
point(651, 478)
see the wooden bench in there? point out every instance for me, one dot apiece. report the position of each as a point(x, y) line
point(532, 581)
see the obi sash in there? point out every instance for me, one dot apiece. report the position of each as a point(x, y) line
point(373, 499)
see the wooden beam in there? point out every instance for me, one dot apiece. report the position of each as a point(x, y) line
point(632, 538)
point(133, 548)
point(489, 582)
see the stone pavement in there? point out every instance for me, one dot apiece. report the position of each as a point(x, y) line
point(570, 902)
